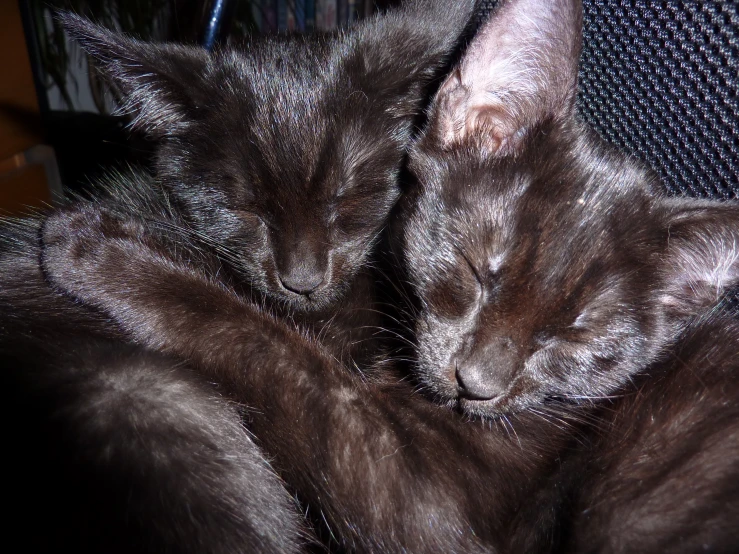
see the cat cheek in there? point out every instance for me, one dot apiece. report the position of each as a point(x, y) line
point(344, 261)
point(440, 381)
point(539, 371)
point(567, 370)
point(438, 346)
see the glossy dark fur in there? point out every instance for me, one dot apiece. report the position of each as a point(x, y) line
point(131, 453)
point(661, 476)
point(276, 168)
point(119, 450)
point(549, 265)
point(282, 157)
point(386, 469)
point(555, 279)
point(390, 471)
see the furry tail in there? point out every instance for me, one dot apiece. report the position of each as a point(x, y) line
point(117, 450)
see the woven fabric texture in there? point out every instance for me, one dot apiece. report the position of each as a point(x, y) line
point(661, 80)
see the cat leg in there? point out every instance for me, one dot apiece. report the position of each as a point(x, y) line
point(386, 470)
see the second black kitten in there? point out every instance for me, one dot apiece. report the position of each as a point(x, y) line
point(555, 278)
point(550, 266)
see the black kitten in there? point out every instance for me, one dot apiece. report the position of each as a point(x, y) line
point(263, 157)
point(548, 264)
point(390, 471)
point(555, 279)
point(282, 158)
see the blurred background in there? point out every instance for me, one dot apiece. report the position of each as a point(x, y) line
point(658, 78)
point(57, 128)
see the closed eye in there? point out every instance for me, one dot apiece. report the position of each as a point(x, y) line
point(481, 287)
point(254, 218)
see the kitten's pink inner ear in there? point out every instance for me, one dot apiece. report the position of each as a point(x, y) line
point(519, 71)
point(494, 130)
point(488, 126)
point(461, 118)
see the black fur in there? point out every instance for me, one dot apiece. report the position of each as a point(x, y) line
point(607, 441)
point(555, 279)
point(548, 264)
point(113, 449)
point(132, 453)
point(275, 164)
point(282, 157)
point(389, 471)
point(661, 476)
point(386, 470)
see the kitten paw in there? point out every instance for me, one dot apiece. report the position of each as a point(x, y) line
point(83, 251)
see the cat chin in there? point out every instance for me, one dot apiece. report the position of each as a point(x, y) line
point(271, 294)
point(319, 301)
point(502, 406)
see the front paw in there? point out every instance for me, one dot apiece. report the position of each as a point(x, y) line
point(83, 251)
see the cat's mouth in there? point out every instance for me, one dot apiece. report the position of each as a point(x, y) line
point(270, 289)
point(500, 406)
point(317, 300)
point(478, 407)
point(508, 404)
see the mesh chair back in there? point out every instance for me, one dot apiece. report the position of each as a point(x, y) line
point(660, 79)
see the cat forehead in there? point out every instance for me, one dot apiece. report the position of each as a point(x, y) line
point(302, 83)
point(276, 64)
point(564, 170)
point(571, 198)
point(292, 117)
point(466, 192)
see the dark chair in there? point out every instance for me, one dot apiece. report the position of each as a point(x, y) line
point(660, 79)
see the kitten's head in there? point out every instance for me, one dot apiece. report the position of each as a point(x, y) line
point(546, 263)
point(284, 154)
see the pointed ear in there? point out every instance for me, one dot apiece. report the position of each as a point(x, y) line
point(701, 259)
point(403, 50)
point(520, 70)
point(161, 84)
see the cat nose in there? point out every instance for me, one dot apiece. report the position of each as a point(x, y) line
point(303, 278)
point(488, 372)
point(477, 384)
point(302, 282)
